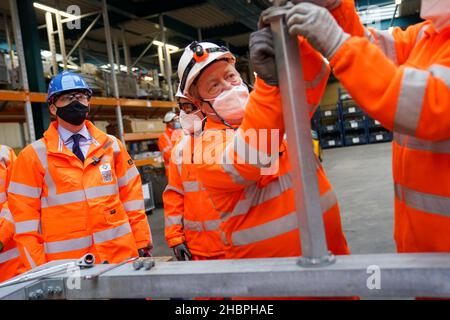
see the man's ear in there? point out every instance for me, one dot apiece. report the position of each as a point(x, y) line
point(52, 109)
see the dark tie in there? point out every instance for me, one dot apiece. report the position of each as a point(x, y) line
point(76, 146)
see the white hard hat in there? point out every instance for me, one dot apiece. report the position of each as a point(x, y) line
point(179, 94)
point(169, 116)
point(196, 57)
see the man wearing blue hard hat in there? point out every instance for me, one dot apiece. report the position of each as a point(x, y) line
point(76, 190)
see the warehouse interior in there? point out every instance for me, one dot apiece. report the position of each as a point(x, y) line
point(128, 53)
point(135, 35)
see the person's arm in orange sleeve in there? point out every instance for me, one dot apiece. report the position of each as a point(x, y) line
point(164, 148)
point(24, 201)
point(173, 200)
point(396, 45)
point(131, 195)
point(6, 226)
point(405, 99)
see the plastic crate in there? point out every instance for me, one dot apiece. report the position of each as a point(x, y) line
point(329, 114)
point(374, 123)
point(354, 124)
point(351, 110)
point(331, 128)
point(352, 140)
point(383, 136)
point(331, 142)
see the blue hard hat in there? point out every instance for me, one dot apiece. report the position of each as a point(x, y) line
point(66, 81)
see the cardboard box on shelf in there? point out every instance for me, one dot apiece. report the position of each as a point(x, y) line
point(141, 125)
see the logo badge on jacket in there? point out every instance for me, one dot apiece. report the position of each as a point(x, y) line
point(105, 170)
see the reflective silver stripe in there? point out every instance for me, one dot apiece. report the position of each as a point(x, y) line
point(193, 225)
point(266, 231)
point(385, 41)
point(101, 191)
point(173, 220)
point(191, 186)
point(249, 154)
point(63, 198)
point(212, 225)
point(167, 139)
point(112, 234)
point(319, 78)
point(169, 187)
point(228, 167)
point(2, 197)
point(9, 255)
point(134, 205)
point(410, 101)
point(421, 33)
point(27, 226)
point(255, 196)
point(29, 259)
point(24, 190)
point(328, 200)
point(5, 213)
point(441, 72)
point(41, 151)
point(423, 201)
point(128, 176)
point(115, 146)
point(166, 149)
point(422, 145)
point(4, 154)
point(68, 245)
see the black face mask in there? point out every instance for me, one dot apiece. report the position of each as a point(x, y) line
point(74, 113)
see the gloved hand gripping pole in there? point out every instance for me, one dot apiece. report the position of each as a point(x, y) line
point(301, 153)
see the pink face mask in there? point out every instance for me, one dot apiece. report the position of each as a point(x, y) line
point(438, 11)
point(230, 104)
point(192, 122)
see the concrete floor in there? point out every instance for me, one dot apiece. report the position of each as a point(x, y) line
point(362, 179)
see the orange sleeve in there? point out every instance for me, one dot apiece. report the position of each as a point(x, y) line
point(24, 201)
point(405, 99)
point(6, 225)
point(165, 148)
point(131, 195)
point(173, 199)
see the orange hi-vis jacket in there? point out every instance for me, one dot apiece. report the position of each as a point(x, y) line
point(258, 211)
point(10, 262)
point(166, 142)
point(64, 209)
point(402, 79)
point(189, 213)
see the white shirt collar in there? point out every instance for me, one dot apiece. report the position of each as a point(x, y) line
point(66, 134)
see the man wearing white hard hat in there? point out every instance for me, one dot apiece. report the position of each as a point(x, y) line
point(191, 221)
point(256, 207)
point(167, 139)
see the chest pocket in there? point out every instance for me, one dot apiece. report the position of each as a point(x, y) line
point(115, 214)
point(65, 175)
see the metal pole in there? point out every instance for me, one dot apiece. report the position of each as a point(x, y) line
point(144, 51)
point(83, 35)
point(113, 69)
point(51, 41)
point(23, 69)
point(298, 129)
point(62, 44)
point(126, 52)
point(9, 41)
point(161, 61)
point(168, 66)
point(199, 34)
point(81, 55)
point(116, 51)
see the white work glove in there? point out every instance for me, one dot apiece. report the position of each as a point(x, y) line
point(318, 26)
point(329, 4)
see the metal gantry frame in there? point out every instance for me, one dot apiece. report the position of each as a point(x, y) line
point(316, 274)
